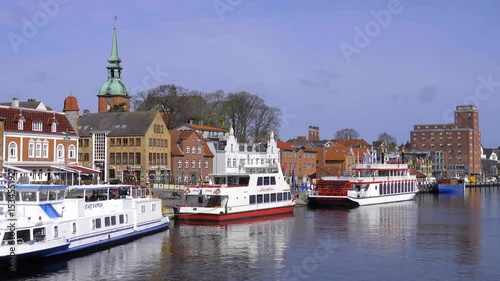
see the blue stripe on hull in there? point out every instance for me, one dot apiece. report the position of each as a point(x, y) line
point(111, 241)
point(450, 188)
point(34, 255)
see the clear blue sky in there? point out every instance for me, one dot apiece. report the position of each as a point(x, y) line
point(414, 68)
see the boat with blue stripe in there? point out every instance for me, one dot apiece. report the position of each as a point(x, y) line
point(40, 221)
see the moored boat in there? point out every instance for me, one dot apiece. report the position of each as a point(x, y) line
point(256, 191)
point(376, 183)
point(450, 185)
point(53, 220)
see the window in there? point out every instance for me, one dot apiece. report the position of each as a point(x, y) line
point(31, 149)
point(112, 158)
point(38, 149)
point(259, 181)
point(273, 197)
point(206, 164)
point(37, 126)
point(12, 151)
point(124, 158)
point(72, 151)
point(60, 152)
point(188, 150)
point(120, 219)
point(137, 157)
point(131, 158)
point(199, 150)
point(266, 198)
point(118, 142)
point(111, 142)
point(199, 164)
point(179, 164)
point(137, 142)
point(113, 220)
point(259, 198)
point(153, 207)
point(107, 221)
point(252, 199)
point(20, 125)
point(131, 141)
point(53, 127)
point(186, 164)
point(125, 142)
point(98, 223)
point(143, 209)
point(74, 228)
point(193, 164)
point(45, 149)
point(56, 231)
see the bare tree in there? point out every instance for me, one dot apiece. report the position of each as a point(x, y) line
point(267, 120)
point(387, 138)
point(347, 133)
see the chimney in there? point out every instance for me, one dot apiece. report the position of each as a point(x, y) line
point(31, 100)
point(15, 102)
point(86, 111)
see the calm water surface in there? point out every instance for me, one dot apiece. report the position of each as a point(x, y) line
point(434, 237)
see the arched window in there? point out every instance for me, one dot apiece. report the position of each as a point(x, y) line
point(12, 151)
point(60, 152)
point(71, 152)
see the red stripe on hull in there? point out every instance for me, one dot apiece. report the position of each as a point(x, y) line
point(234, 216)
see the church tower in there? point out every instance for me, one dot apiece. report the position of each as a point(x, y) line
point(114, 95)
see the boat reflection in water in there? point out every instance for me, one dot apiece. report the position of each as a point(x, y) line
point(130, 261)
point(227, 251)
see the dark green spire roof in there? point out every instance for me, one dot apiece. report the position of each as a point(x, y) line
point(114, 85)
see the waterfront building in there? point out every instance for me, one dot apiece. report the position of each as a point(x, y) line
point(38, 144)
point(191, 157)
point(454, 147)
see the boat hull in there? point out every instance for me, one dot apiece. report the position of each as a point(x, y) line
point(450, 188)
point(233, 216)
point(32, 255)
point(351, 202)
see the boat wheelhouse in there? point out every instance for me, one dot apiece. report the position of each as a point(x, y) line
point(376, 183)
point(78, 217)
point(258, 190)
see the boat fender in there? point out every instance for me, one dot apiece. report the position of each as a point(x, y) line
point(186, 191)
point(359, 194)
point(217, 191)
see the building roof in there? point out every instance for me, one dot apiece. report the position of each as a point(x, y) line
point(352, 142)
point(14, 114)
point(201, 128)
point(71, 104)
point(30, 103)
point(134, 123)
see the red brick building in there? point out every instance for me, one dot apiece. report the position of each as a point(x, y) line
point(456, 147)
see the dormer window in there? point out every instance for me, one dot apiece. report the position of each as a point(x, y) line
point(53, 127)
point(20, 125)
point(37, 126)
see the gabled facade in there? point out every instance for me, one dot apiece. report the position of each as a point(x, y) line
point(232, 156)
point(192, 160)
point(38, 145)
point(131, 146)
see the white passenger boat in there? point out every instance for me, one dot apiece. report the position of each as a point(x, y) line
point(376, 183)
point(257, 191)
point(52, 220)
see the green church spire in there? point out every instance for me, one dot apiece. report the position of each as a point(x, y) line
point(114, 85)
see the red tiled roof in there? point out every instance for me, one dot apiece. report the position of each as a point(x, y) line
point(13, 115)
point(284, 145)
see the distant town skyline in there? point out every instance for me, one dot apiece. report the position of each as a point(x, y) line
point(374, 66)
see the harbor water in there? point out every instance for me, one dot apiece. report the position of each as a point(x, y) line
point(434, 237)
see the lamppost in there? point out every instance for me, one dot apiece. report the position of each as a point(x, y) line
point(66, 139)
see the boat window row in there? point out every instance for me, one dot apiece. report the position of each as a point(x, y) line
point(262, 170)
point(266, 181)
point(397, 187)
point(270, 197)
point(28, 236)
point(109, 221)
point(35, 196)
point(232, 180)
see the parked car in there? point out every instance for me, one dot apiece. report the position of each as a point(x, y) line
point(116, 181)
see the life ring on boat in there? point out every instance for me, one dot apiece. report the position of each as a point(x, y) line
point(186, 191)
point(217, 191)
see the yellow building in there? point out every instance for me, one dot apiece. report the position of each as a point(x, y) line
point(133, 147)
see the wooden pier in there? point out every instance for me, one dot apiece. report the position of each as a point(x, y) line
point(481, 185)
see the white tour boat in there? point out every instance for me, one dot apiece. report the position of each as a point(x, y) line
point(52, 220)
point(376, 183)
point(256, 191)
